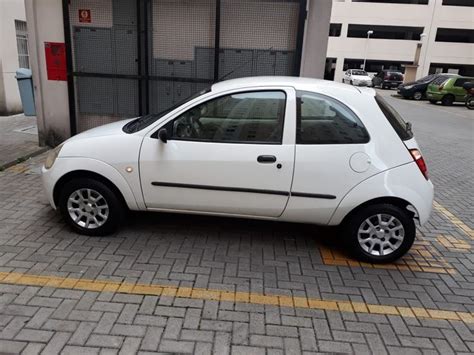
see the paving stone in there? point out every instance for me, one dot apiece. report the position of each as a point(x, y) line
point(39, 336)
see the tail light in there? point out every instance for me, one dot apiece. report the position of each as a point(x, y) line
point(386, 77)
point(416, 154)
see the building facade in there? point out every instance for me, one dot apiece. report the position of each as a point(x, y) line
point(445, 29)
point(13, 53)
point(99, 61)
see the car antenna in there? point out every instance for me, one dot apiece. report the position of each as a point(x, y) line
point(233, 70)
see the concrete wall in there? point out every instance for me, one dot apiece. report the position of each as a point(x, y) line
point(316, 38)
point(45, 24)
point(10, 10)
point(429, 16)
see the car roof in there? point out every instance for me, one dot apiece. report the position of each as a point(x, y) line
point(298, 83)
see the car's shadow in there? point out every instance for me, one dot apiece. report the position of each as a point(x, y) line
point(234, 230)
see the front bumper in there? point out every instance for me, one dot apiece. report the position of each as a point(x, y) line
point(363, 83)
point(433, 96)
point(406, 92)
point(392, 84)
point(48, 185)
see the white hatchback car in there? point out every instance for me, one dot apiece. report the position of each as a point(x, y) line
point(276, 148)
point(357, 77)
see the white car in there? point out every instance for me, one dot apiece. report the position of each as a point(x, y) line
point(274, 148)
point(357, 77)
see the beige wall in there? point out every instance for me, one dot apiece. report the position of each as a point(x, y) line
point(45, 24)
point(10, 10)
point(429, 16)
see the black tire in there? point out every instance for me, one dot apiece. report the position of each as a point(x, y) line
point(355, 221)
point(417, 95)
point(114, 204)
point(470, 103)
point(433, 102)
point(447, 100)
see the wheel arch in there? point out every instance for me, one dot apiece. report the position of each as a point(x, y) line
point(390, 200)
point(83, 174)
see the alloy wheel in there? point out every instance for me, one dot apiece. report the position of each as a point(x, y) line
point(88, 208)
point(380, 234)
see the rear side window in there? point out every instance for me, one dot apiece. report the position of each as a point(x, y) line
point(323, 120)
point(460, 82)
point(399, 125)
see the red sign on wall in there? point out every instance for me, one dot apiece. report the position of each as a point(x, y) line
point(56, 61)
point(85, 15)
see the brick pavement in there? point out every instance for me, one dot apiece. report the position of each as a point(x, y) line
point(234, 257)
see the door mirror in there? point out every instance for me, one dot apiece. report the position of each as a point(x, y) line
point(163, 135)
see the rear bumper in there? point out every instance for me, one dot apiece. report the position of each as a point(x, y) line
point(405, 182)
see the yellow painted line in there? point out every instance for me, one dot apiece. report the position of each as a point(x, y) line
point(454, 220)
point(241, 297)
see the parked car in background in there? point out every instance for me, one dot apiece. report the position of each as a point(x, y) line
point(387, 79)
point(357, 77)
point(417, 89)
point(447, 90)
point(274, 148)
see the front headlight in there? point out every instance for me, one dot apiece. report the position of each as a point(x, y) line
point(52, 155)
point(408, 87)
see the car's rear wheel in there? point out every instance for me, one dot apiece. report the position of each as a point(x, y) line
point(90, 207)
point(447, 100)
point(380, 233)
point(418, 95)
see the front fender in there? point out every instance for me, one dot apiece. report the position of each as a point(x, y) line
point(63, 166)
point(405, 182)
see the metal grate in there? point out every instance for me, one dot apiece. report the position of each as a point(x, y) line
point(143, 56)
point(22, 44)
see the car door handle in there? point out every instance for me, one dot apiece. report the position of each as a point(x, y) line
point(266, 159)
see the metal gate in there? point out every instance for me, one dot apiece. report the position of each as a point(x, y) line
point(132, 57)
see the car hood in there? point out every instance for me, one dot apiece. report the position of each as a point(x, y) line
point(101, 131)
point(361, 77)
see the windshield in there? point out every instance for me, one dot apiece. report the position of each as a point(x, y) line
point(144, 121)
point(359, 72)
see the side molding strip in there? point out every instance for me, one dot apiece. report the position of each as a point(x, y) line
point(221, 188)
point(240, 189)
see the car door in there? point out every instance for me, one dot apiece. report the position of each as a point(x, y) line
point(333, 154)
point(231, 154)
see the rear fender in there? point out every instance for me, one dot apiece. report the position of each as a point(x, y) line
point(405, 182)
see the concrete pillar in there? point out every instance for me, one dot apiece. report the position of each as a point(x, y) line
point(315, 41)
point(45, 24)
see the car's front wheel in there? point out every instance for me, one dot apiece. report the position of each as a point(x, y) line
point(380, 233)
point(90, 207)
point(418, 95)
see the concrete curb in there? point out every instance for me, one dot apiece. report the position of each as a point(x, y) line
point(23, 158)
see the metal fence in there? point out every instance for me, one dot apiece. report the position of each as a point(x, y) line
point(133, 57)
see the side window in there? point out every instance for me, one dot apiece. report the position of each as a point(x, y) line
point(460, 82)
point(323, 120)
point(236, 118)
